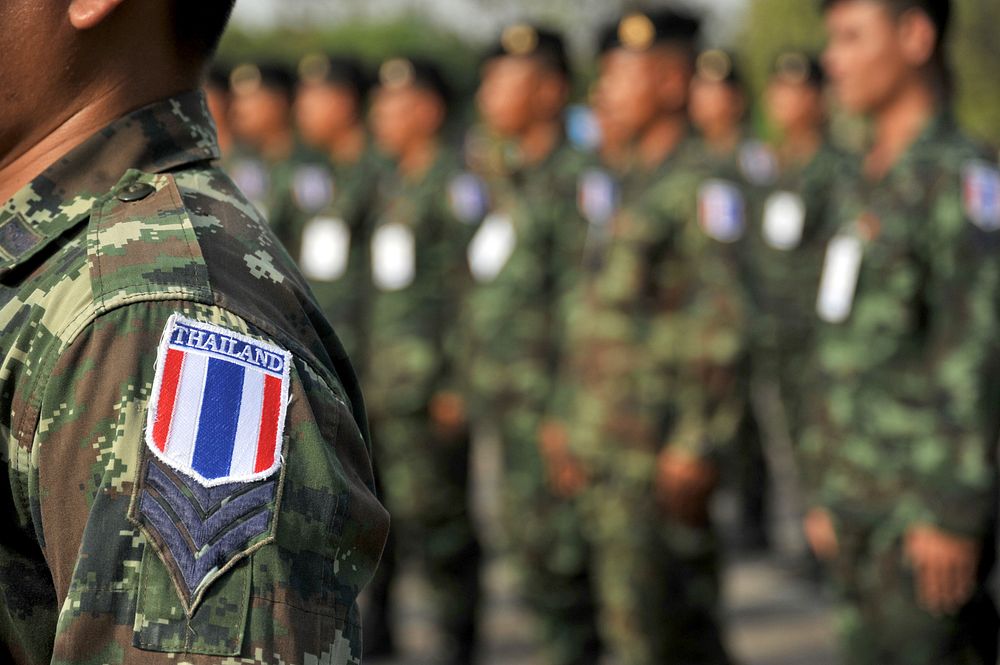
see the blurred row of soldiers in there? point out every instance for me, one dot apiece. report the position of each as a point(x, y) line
point(627, 322)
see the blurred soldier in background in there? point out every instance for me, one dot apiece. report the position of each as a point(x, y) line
point(719, 105)
point(266, 149)
point(652, 372)
point(792, 234)
point(333, 193)
point(219, 99)
point(524, 257)
point(419, 276)
point(901, 463)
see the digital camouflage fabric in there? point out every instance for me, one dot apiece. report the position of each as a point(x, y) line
point(655, 340)
point(906, 427)
point(419, 277)
point(99, 252)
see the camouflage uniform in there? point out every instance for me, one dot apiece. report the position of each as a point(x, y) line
point(99, 252)
point(788, 239)
point(513, 331)
point(330, 236)
point(907, 347)
point(656, 337)
point(419, 276)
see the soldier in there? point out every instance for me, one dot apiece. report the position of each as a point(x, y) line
point(718, 109)
point(219, 98)
point(792, 234)
point(901, 461)
point(419, 276)
point(263, 160)
point(655, 342)
point(524, 257)
point(187, 473)
point(333, 193)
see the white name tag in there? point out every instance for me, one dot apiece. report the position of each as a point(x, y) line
point(840, 278)
point(326, 243)
point(394, 255)
point(492, 247)
point(784, 219)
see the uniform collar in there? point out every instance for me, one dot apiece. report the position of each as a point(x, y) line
point(163, 136)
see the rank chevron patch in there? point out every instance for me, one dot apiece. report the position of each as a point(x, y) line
point(208, 490)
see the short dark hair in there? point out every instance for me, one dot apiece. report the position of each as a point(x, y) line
point(199, 24)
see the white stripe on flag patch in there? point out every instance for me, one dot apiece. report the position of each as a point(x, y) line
point(190, 392)
point(248, 428)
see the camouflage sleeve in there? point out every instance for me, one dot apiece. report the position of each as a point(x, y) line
point(951, 465)
point(155, 552)
point(698, 332)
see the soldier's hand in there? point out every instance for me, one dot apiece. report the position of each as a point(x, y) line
point(821, 534)
point(685, 485)
point(945, 567)
point(447, 411)
point(567, 476)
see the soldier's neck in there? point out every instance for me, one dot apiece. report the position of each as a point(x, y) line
point(278, 147)
point(418, 158)
point(898, 124)
point(348, 146)
point(800, 144)
point(723, 140)
point(660, 140)
point(40, 147)
point(539, 141)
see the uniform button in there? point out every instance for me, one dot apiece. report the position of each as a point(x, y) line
point(135, 192)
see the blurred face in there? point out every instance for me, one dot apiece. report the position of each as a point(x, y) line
point(794, 105)
point(628, 91)
point(218, 105)
point(402, 117)
point(260, 114)
point(506, 95)
point(872, 54)
point(716, 107)
point(323, 112)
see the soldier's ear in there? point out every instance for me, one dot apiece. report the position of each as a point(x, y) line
point(87, 14)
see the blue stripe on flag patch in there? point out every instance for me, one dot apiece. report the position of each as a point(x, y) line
point(220, 414)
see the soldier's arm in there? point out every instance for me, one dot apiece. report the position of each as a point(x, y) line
point(952, 464)
point(148, 561)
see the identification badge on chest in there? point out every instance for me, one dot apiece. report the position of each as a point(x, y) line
point(784, 220)
point(326, 243)
point(492, 247)
point(839, 282)
point(394, 260)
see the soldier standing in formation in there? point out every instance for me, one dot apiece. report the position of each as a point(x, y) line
point(655, 329)
point(187, 476)
point(419, 278)
point(524, 257)
point(900, 459)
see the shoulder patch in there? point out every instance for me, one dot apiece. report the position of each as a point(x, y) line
point(598, 196)
point(468, 198)
point(758, 163)
point(784, 220)
point(721, 210)
point(981, 193)
point(313, 187)
point(218, 405)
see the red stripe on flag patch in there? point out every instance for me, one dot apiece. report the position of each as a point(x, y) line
point(270, 415)
point(168, 395)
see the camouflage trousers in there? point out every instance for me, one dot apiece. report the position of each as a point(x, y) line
point(881, 622)
point(658, 581)
point(545, 540)
point(425, 479)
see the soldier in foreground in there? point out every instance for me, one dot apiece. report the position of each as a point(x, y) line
point(651, 372)
point(419, 277)
point(524, 258)
point(901, 462)
point(187, 474)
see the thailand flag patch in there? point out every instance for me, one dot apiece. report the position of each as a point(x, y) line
point(218, 406)
point(981, 192)
point(721, 210)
